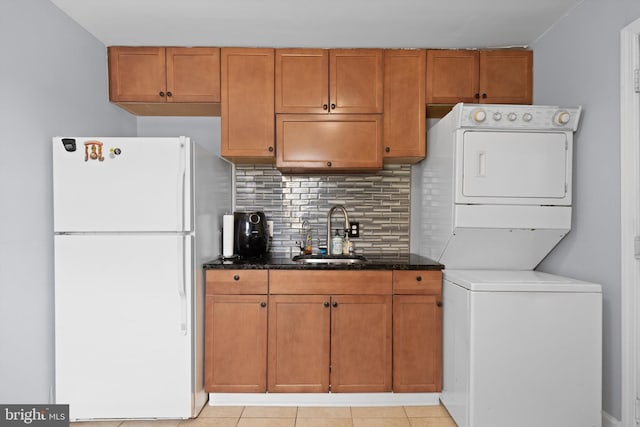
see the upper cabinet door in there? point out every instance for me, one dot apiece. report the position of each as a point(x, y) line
point(506, 76)
point(137, 74)
point(452, 76)
point(356, 81)
point(247, 105)
point(193, 74)
point(302, 84)
point(404, 105)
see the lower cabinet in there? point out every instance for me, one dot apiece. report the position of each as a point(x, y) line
point(417, 331)
point(236, 332)
point(315, 331)
point(321, 343)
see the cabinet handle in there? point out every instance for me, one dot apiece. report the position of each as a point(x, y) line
point(387, 149)
point(333, 106)
point(169, 93)
point(271, 149)
point(161, 94)
point(439, 303)
point(236, 277)
point(484, 96)
point(329, 164)
point(326, 304)
point(334, 305)
point(325, 106)
point(263, 304)
point(419, 278)
point(476, 96)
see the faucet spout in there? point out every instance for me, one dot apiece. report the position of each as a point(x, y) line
point(346, 224)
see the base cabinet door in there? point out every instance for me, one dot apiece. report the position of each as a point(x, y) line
point(417, 343)
point(361, 343)
point(298, 343)
point(236, 343)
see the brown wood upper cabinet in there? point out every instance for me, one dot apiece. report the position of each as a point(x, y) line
point(501, 76)
point(329, 81)
point(141, 79)
point(329, 143)
point(247, 118)
point(404, 105)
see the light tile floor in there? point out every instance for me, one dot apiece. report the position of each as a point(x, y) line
point(281, 416)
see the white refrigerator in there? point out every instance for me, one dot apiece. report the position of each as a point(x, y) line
point(134, 219)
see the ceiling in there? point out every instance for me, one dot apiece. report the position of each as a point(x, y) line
point(319, 23)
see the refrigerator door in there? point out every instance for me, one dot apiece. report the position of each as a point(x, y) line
point(141, 184)
point(123, 346)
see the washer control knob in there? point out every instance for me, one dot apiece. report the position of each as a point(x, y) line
point(561, 118)
point(527, 117)
point(512, 117)
point(478, 115)
point(497, 116)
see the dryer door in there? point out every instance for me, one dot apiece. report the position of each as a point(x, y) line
point(514, 167)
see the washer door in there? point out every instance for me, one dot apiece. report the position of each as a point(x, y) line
point(524, 167)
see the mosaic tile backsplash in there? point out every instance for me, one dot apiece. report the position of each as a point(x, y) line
point(380, 202)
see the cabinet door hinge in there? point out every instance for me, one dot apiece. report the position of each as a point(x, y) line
point(636, 80)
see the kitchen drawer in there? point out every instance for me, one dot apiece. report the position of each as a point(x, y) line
point(424, 282)
point(307, 282)
point(237, 281)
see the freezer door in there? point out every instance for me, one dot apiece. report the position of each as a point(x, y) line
point(124, 184)
point(504, 166)
point(123, 346)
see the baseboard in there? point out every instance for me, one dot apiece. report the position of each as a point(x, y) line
point(609, 421)
point(323, 399)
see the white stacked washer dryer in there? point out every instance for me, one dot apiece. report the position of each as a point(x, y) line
point(521, 347)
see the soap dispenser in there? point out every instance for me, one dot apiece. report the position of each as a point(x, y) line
point(336, 243)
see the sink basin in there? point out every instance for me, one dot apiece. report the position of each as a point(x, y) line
point(330, 259)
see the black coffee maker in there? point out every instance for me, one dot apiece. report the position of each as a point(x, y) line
point(251, 238)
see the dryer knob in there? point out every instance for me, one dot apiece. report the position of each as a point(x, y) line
point(512, 117)
point(561, 118)
point(478, 115)
point(497, 116)
point(527, 117)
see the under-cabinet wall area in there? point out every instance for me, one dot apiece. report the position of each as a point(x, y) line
point(379, 201)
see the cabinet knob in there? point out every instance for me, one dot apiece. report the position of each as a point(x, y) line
point(325, 106)
point(169, 93)
point(236, 277)
point(419, 278)
point(271, 149)
point(335, 304)
point(387, 149)
point(263, 304)
point(333, 106)
point(326, 304)
point(484, 96)
point(329, 164)
point(476, 96)
point(161, 94)
point(439, 303)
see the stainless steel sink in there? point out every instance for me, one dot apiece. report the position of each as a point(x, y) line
point(330, 259)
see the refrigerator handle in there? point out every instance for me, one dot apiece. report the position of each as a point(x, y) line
point(182, 283)
point(182, 173)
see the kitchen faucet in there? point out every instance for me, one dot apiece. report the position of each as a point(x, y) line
point(346, 225)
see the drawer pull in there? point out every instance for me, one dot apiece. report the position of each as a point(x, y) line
point(334, 305)
point(419, 278)
point(439, 303)
point(326, 304)
point(263, 304)
point(236, 277)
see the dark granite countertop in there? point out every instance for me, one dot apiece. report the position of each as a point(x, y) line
point(402, 262)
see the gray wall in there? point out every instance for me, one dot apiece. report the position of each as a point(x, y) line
point(578, 63)
point(54, 82)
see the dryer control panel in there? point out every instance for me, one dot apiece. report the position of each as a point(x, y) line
point(522, 117)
